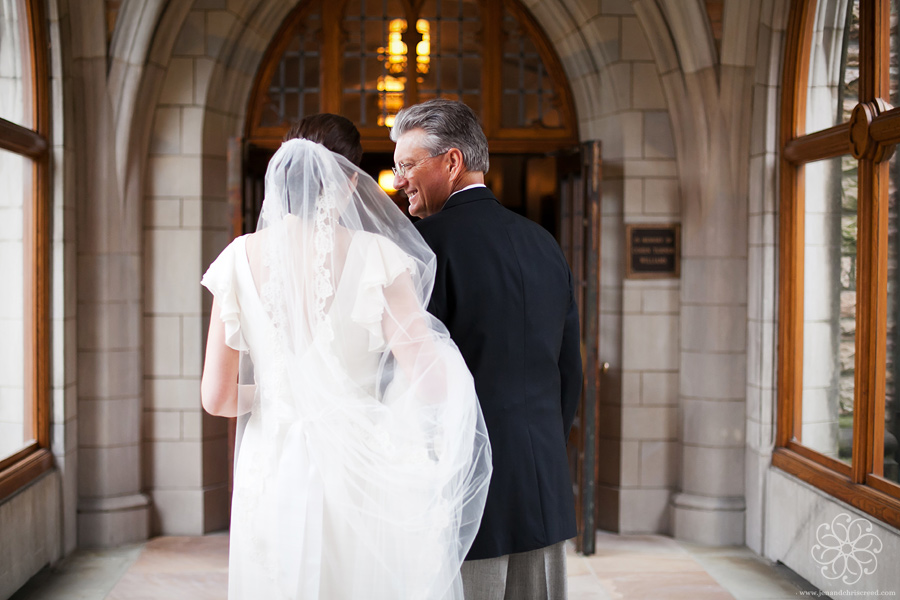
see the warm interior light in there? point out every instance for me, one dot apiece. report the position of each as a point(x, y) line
point(396, 49)
point(386, 180)
point(390, 98)
point(391, 86)
point(423, 48)
point(386, 83)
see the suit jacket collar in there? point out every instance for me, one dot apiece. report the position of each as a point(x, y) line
point(470, 195)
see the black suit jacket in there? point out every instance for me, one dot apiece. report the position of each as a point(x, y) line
point(504, 290)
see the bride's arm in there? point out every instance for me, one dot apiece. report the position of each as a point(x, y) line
point(412, 341)
point(219, 384)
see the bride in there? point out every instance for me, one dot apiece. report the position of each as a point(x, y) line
point(362, 460)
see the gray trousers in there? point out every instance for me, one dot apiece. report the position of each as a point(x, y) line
point(535, 575)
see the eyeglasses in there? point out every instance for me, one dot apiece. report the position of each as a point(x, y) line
point(403, 168)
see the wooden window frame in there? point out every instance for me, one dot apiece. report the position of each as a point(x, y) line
point(869, 136)
point(376, 139)
point(23, 467)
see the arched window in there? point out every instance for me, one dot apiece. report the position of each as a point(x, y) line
point(24, 246)
point(839, 307)
point(366, 59)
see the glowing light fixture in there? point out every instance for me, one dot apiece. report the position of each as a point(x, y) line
point(390, 98)
point(423, 48)
point(391, 86)
point(396, 49)
point(386, 181)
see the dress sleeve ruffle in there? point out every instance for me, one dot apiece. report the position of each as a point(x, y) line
point(384, 262)
point(221, 279)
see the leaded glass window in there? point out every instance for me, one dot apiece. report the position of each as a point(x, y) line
point(528, 95)
point(366, 59)
point(293, 90)
point(454, 70)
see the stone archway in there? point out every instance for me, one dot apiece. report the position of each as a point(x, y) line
point(173, 88)
point(192, 97)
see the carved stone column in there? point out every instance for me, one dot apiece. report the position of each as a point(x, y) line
point(112, 509)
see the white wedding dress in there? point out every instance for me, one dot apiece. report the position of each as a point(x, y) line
point(362, 461)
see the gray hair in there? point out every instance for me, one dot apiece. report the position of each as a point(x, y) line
point(447, 124)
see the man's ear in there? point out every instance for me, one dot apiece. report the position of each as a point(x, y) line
point(455, 164)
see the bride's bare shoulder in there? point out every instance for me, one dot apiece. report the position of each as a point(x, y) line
point(253, 241)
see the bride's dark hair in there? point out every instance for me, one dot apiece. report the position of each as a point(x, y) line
point(335, 132)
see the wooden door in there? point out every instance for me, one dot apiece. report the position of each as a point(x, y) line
point(579, 172)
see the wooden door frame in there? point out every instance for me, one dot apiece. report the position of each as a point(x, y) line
point(580, 238)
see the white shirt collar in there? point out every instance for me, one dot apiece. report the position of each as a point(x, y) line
point(468, 187)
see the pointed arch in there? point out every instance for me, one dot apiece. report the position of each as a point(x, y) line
point(527, 70)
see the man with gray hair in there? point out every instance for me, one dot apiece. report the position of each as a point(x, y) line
point(504, 290)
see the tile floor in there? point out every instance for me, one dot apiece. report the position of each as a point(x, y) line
point(647, 567)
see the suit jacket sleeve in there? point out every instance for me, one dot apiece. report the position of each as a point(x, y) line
point(437, 303)
point(570, 369)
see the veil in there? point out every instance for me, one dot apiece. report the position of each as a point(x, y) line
point(383, 459)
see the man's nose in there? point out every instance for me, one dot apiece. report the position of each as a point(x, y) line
point(397, 179)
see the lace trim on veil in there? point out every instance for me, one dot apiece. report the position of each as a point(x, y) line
point(272, 291)
point(323, 240)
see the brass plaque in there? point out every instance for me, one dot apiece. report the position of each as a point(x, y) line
point(653, 251)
